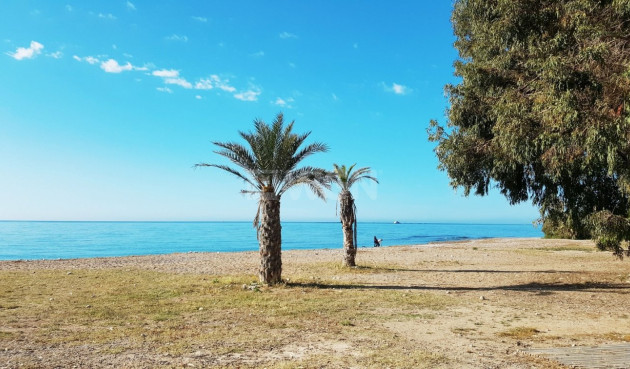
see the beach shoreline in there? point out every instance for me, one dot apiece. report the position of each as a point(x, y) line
point(148, 258)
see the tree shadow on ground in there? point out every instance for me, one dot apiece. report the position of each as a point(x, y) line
point(390, 269)
point(537, 287)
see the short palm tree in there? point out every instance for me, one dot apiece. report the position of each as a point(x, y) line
point(345, 178)
point(269, 166)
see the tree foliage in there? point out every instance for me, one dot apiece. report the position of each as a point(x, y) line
point(542, 107)
point(610, 232)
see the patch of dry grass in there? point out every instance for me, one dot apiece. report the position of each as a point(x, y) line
point(120, 311)
point(618, 337)
point(520, 333)
point(559, 248)
point(327, 269)
point(568, 248)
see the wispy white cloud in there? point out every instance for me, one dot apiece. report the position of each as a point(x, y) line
point(214, 81)
point(171, 77)
point(178, 81)
point(285, 103)
point(204, 84)
point(175, 37)
point(166, 73)
point(30, 52)
point(249, 95)
point(396, 88)
point(112, 66)
point(285, 35)
point(108, 16)
point(55, 55)
point(200, 19)
point(87, 59)
point(131, 6)
point(258, 54)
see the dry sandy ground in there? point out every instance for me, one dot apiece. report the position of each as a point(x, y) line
point(569, 296)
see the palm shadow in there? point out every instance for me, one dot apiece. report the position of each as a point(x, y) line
point(537, 287)
point(384, 269)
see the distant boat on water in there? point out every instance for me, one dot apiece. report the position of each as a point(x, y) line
point(396, 222)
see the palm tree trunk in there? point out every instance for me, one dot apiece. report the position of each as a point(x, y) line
point(270, 239)
point(348, 219)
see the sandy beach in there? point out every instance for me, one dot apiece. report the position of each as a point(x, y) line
point(506, 296)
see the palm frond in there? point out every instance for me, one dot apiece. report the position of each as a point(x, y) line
point(230, 170)
point(309, 150)
point(315, 178)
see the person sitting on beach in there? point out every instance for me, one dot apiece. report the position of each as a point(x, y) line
point(377, 242)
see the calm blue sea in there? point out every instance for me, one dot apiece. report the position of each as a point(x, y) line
point(67, 240)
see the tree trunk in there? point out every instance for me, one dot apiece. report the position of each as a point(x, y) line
point(270, 239)
point(348, 219)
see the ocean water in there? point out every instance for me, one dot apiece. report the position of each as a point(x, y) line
point(68, 240)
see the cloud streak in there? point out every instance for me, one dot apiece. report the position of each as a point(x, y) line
point(112, 66)
point(287, 35)
point(200, 19)
point(30, 52)
point(285, 103)
point(396, 88)
point(174, 37)
point(108, 16)
point(214, 81)
point(88, 59)
point(166, 73)
point(55, 55)
point(249, 95)
point(172, 77)
point(179, 82)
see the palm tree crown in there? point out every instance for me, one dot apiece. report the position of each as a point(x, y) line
point(345, 178)
point(270, 162)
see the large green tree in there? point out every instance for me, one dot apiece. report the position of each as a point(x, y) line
point(542, 108)
point(345, 178)
point(270, 167)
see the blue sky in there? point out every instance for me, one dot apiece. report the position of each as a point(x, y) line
point(105, 106)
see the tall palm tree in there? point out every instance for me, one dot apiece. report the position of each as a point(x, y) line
point(269, 166)
point(345, 178)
